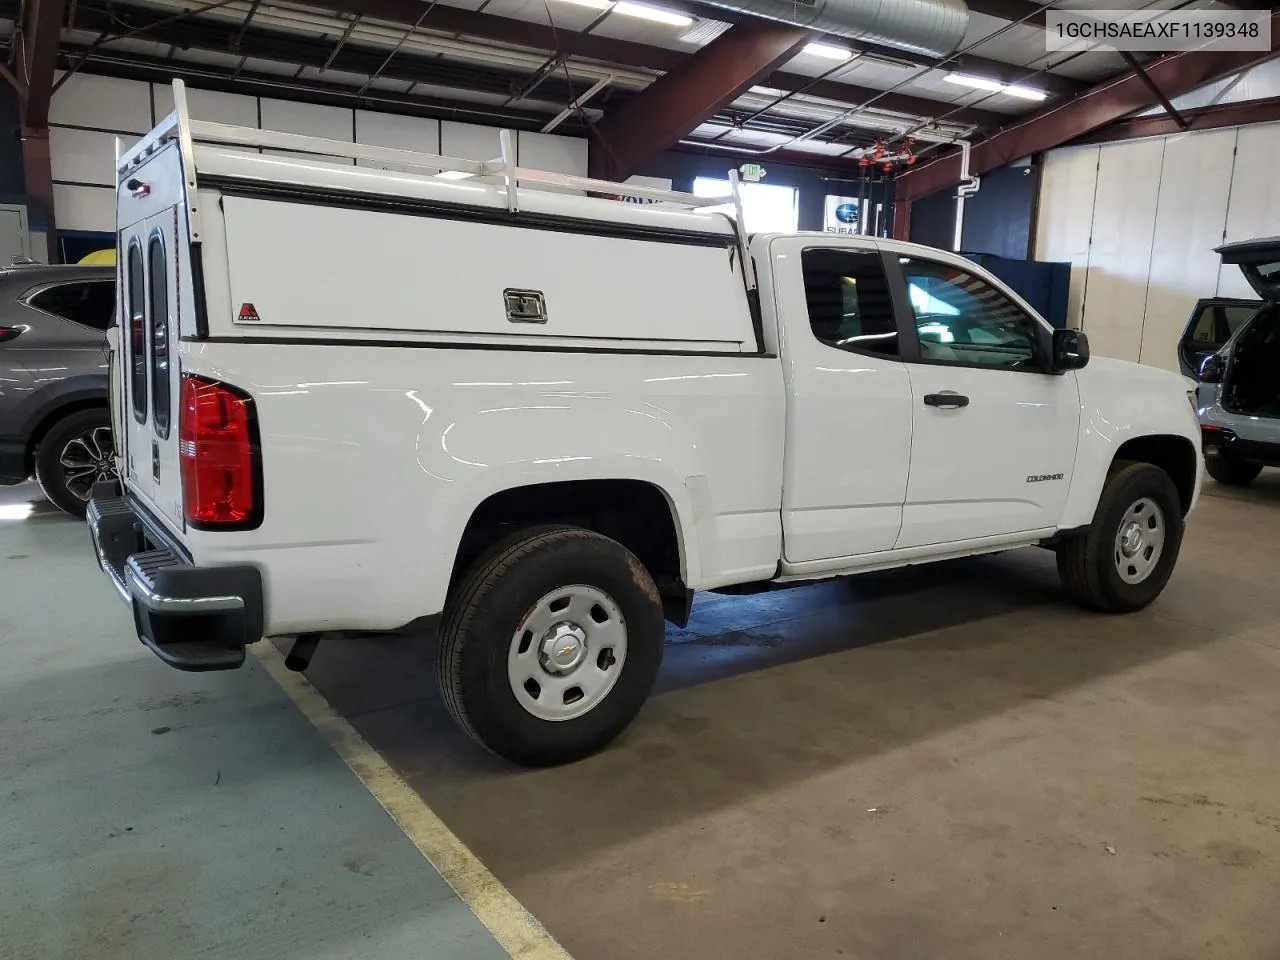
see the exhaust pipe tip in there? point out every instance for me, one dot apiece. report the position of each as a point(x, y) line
point(300, 654)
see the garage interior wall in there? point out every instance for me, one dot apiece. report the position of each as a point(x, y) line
point(88, 113)
point(1139, 222)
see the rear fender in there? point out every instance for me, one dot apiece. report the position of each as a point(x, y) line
point(490, 452)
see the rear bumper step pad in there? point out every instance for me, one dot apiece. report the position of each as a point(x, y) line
point(193, 618)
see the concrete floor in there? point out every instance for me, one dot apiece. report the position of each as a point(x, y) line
point(146, 813)
point(940, 762)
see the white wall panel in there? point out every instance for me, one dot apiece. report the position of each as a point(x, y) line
point(401, 133)
point(1255, 198)
point(1064, 222)
point(1124, 213)
point(105, 103)
point(1190, 215)
point(83, 156)
point(308, 119)
point(85, 208)
point(211, 105)
point(469, 142)
point(544, 151)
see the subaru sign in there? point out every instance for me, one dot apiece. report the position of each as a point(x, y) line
point(841, 215)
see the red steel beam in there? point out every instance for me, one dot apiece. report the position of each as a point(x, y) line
point(36, 58)
point(1240, 114)
point(1175, 74)
point(678, 101)
point(37, 54)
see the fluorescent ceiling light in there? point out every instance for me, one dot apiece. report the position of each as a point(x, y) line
point(645, 12)
point(1025, 93)
point(453, 175)
point(968, 80)
point(828, 51)
point(593, 4)
point(985, 83)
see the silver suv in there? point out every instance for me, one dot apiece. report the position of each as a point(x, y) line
point(54, 420)
point(1238, 393)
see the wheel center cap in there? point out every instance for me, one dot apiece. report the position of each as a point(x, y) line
point(1131, 541)
point(564, 647)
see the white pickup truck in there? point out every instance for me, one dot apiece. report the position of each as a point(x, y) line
point(357, 387)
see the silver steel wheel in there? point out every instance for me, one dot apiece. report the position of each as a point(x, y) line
point(567, 653)
point(86, 459)
point(1140, 540)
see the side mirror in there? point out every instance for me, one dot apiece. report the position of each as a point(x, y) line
point(1213, 368)
point(1070, 350)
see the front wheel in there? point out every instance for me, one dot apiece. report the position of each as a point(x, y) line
point(550, 645)
point(1230, 470)
point(73, 455)
point(1125, 558)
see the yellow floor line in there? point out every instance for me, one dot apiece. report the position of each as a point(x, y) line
point(515, 929)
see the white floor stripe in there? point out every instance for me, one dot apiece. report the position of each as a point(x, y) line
point(515, 929)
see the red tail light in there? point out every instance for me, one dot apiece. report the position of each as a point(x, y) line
point(218, 450)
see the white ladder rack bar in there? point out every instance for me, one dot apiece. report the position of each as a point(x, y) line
point(179, 125)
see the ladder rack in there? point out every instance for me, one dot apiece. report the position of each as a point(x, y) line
point(501, 170)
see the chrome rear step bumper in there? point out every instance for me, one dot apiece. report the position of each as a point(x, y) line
point(192, 618)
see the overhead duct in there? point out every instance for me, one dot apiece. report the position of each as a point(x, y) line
point(933, 28)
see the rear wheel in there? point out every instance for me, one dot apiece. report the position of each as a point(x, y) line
point(550, 645)
point(1125, 558)
point(1230, 470)
point(73, 455)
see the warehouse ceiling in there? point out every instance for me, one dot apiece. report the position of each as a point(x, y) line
point(743, 85)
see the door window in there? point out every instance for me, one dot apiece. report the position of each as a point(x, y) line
point(159, 322)
point(962, 319)
point(849, 301)
point(89, 303)
point(137, 334)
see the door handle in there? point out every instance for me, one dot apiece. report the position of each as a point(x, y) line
point(945, 399)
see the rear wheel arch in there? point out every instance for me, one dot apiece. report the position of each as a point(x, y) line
point(636, 513)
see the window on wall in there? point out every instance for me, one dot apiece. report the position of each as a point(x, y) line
point(766, 207)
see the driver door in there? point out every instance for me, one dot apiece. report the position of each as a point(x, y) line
point(993, 437)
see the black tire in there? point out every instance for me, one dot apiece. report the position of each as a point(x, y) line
point(1230, 470)
point(491, 602)
point(77, 437)
point(1089, 564)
